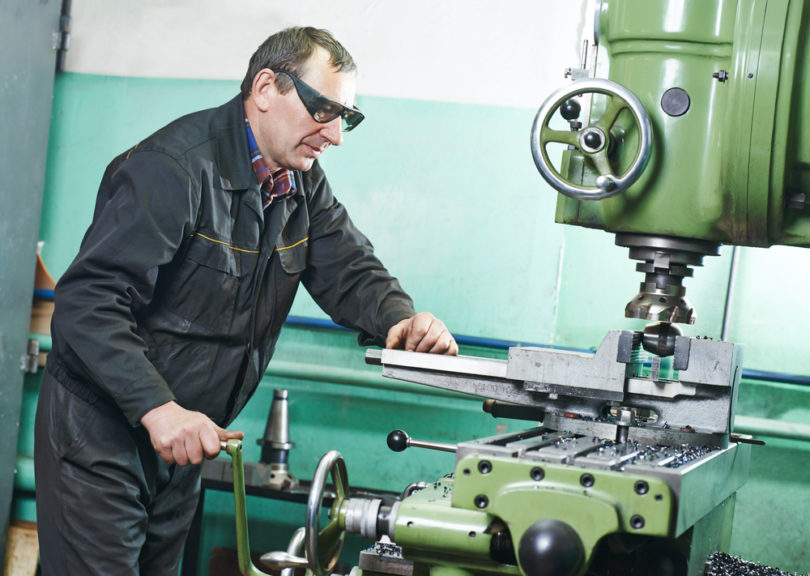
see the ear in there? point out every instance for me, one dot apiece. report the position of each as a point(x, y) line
point(263, 89)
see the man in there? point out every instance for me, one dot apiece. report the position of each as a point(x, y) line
point(168, 317)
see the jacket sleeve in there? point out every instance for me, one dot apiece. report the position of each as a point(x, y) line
point(343, 275)
point(146, 207)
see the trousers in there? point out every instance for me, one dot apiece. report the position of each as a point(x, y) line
point(106, 502)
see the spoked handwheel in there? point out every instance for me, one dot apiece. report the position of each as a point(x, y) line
point(322, 546)
point(593, 141)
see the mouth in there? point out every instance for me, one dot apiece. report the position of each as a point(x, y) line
point(315, 151)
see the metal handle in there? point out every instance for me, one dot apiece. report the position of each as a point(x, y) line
point(283, 561)
point(593, 141)
point(296, 548)
point(246, 566)
point(398, 440)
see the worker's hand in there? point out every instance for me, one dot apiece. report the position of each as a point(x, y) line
point(181, 436)
point(422, 333)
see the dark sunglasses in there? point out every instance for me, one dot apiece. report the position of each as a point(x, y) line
point(321, 108)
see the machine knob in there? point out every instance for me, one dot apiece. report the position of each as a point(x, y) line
point(398, 440)
point(570, 109)
point(551, 548)
point(593, 140)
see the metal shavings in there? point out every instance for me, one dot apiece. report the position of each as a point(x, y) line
point(660, 456)
point(722, 564)
point(385, 549)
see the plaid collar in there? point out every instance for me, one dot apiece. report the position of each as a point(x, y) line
point(277, 185)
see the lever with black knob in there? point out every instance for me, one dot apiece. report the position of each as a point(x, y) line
point(398, 440)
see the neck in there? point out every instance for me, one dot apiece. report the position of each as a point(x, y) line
point(255, 116)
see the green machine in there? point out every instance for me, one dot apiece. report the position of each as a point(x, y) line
point(696, 138)
point(688, 135)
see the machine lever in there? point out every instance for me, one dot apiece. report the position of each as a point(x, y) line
point(281, 560)
point(398, 440)
point(744, 439)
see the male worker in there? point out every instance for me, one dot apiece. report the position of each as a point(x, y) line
point(168, 317)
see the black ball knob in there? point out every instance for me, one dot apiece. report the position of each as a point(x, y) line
point(550, 548)
point(592, 140)
point(398, 440)
point(570, 109)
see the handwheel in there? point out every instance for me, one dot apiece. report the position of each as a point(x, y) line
point(593, 141)
point(323, 546)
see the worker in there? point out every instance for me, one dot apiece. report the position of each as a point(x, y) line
point(167, 319)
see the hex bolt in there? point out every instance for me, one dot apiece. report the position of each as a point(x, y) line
point(721, 76)
point(537, 474)
point(485, 466)
point(641, 487)
point(587, 480)
point(637, 522)
point(481, 501)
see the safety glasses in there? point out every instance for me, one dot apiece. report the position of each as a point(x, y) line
point(321, 108)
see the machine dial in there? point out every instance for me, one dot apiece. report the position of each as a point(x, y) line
point(594, 141)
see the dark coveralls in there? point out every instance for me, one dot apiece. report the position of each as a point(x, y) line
point(179, 291)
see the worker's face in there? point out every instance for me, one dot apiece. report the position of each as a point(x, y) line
point(289, 137)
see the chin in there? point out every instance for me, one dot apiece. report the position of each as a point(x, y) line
point(304, 164)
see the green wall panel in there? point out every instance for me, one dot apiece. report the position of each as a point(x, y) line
point(771, 310)
point(451, 198)
point(770, 523)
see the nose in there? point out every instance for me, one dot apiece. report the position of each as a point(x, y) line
point(333, 131)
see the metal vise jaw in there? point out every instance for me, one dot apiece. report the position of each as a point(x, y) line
point(692, 400)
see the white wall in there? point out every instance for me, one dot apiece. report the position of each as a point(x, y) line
point(507, 52)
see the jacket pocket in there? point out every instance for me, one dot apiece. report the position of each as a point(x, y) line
point(204, 288)
point(293, 257)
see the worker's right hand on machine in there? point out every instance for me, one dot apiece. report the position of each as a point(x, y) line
point(182, 436)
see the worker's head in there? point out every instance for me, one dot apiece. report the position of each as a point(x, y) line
point(289, 50)
point(299, 95)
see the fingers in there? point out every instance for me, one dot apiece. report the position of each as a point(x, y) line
point(437, 340)
point(420, 338)
point(188, 445)
point(422, 333)
point(209, 442)
point(192, 451)
point(193, 445)
point(230, 434)
point(395, 334)
point(213, 449)
point(445, 344)
point(182, 436)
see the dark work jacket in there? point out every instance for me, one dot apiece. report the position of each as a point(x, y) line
point(182, 282)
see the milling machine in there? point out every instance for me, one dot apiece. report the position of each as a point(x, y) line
point(687, 137)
